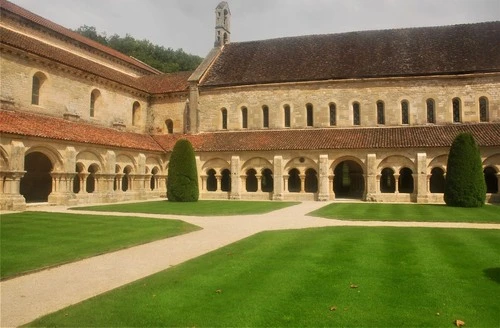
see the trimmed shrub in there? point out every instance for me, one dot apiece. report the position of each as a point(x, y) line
point(465, 185)
point(182, 184)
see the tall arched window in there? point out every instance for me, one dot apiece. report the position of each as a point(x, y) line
point(405, 182)
point(126, 178)
point(483, 110)
point(436, 182)
point(356, 118)
point(294, 182)
point(136, 113)
point(226, 180)
point(267, 182)
point(170, 126)
point(287, 114)
point(456, 110)
point(211, 180)
point(311, 182)
point(251, 181)
point(153, 179)
point(36, 88)
point(405, 112)
point(265, 116)
point(309, 115)
point(94, 95)
point(90, 183)
point(224, 118)
point(387, 181)
point(333, 114)
point(380, 112)
point(244, 117)
point(431, 114)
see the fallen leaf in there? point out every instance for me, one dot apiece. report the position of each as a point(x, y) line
point(333, 308)
point(219, 291)
point(459, 323)
point(354, 286)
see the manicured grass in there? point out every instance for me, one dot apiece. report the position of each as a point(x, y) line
point(418, 277)
point(408, 212)
point(201, 208)
point(33, 240)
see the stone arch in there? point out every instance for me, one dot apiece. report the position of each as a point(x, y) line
point(493, 161)
point(36, 184)
point(124, 159)
point(218, 164)
point(438, 161)
point(397, 162)
point(153, 162)
point(90, 186)
point(89, 157)
point(53, 154)
point(348, 177)
point(301, 163)
point(257, 163)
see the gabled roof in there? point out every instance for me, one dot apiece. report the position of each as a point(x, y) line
point(162, 83)
point(34, 18)
point(456, 49)
point(486, 134)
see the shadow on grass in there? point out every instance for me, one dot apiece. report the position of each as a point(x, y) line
point(493, 274)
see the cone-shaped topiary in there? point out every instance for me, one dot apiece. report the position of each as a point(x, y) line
point(182, 184)
point(465, 185)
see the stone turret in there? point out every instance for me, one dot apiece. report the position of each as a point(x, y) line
point(222, 24)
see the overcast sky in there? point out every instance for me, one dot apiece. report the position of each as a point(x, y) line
point(189, 24)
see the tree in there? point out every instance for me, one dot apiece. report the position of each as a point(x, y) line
point(182, 185)
point(465, 185)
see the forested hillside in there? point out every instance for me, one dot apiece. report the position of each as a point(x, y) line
point(164, 59)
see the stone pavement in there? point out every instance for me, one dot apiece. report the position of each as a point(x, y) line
point(28, 297)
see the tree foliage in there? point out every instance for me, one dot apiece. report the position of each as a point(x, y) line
point(182, 184)
point(465, 185)
point(164, 59)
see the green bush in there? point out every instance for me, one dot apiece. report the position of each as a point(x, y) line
point(182, 185)
point(465, 185)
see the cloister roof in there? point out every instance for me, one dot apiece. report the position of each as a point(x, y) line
point(161, 83)
point(36, 19)
point(487, 134)
point(455, 49)
point(29, 124)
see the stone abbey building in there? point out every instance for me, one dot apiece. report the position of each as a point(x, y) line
point(367, 115)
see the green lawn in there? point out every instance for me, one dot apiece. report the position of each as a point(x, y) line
point(202, 207)
point(408, 212)
point(34, 240)
point(418, 277)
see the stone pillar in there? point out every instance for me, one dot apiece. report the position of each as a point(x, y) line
point(219, 182)
point(324, 193)
point(285, 182)
point(61, 192)
point(118, 179)
point(421, 180)
point(259, 180)
point(278, 178)
point(10, 198)
point(302, 183)
point(372, 179)
point(396, 181)
point(235, 178)
point(203, 186)
point(331, 187)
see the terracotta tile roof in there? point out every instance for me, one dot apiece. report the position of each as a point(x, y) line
point(486, 134)
point(163, 83)
point(385, 53)
point(26, 124)
point(26, 14)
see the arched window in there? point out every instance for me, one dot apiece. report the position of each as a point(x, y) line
point(170, 126)
point(251, 181)
point(294, 182)
point(76, 179)
point(490, 177)
point(356, 118)
point(483, 110)
point(311, 182)
point(90, 184)
point(152, 181)
point(380, 112)
point(267, 182)
point(405, 183)
point(405, 112)
point(333, 114)
point(456, 110)
point(431, 114)
point(36, 89)
point(244, 117)
point(286, 112)
point(136, 113)
point(437, 180)
point(309, 115)
point(94, 95)
point(211, 180)
point(126, 178)
point(387, 181)
point(224, 118)
point(226, 180)
point(265, 116)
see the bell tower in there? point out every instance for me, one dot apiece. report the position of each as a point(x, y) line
point(222, 24)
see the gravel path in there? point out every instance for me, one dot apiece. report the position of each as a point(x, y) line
point(28, 297)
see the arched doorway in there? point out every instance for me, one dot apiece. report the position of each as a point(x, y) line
point(437, 180)
point(36, 185)
point(267, 183)
point(348, 181)
point(294, 183)
point(211, 180)
point(490, 177)
point(311, 181)
point(226, 180)
point(251, 181)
